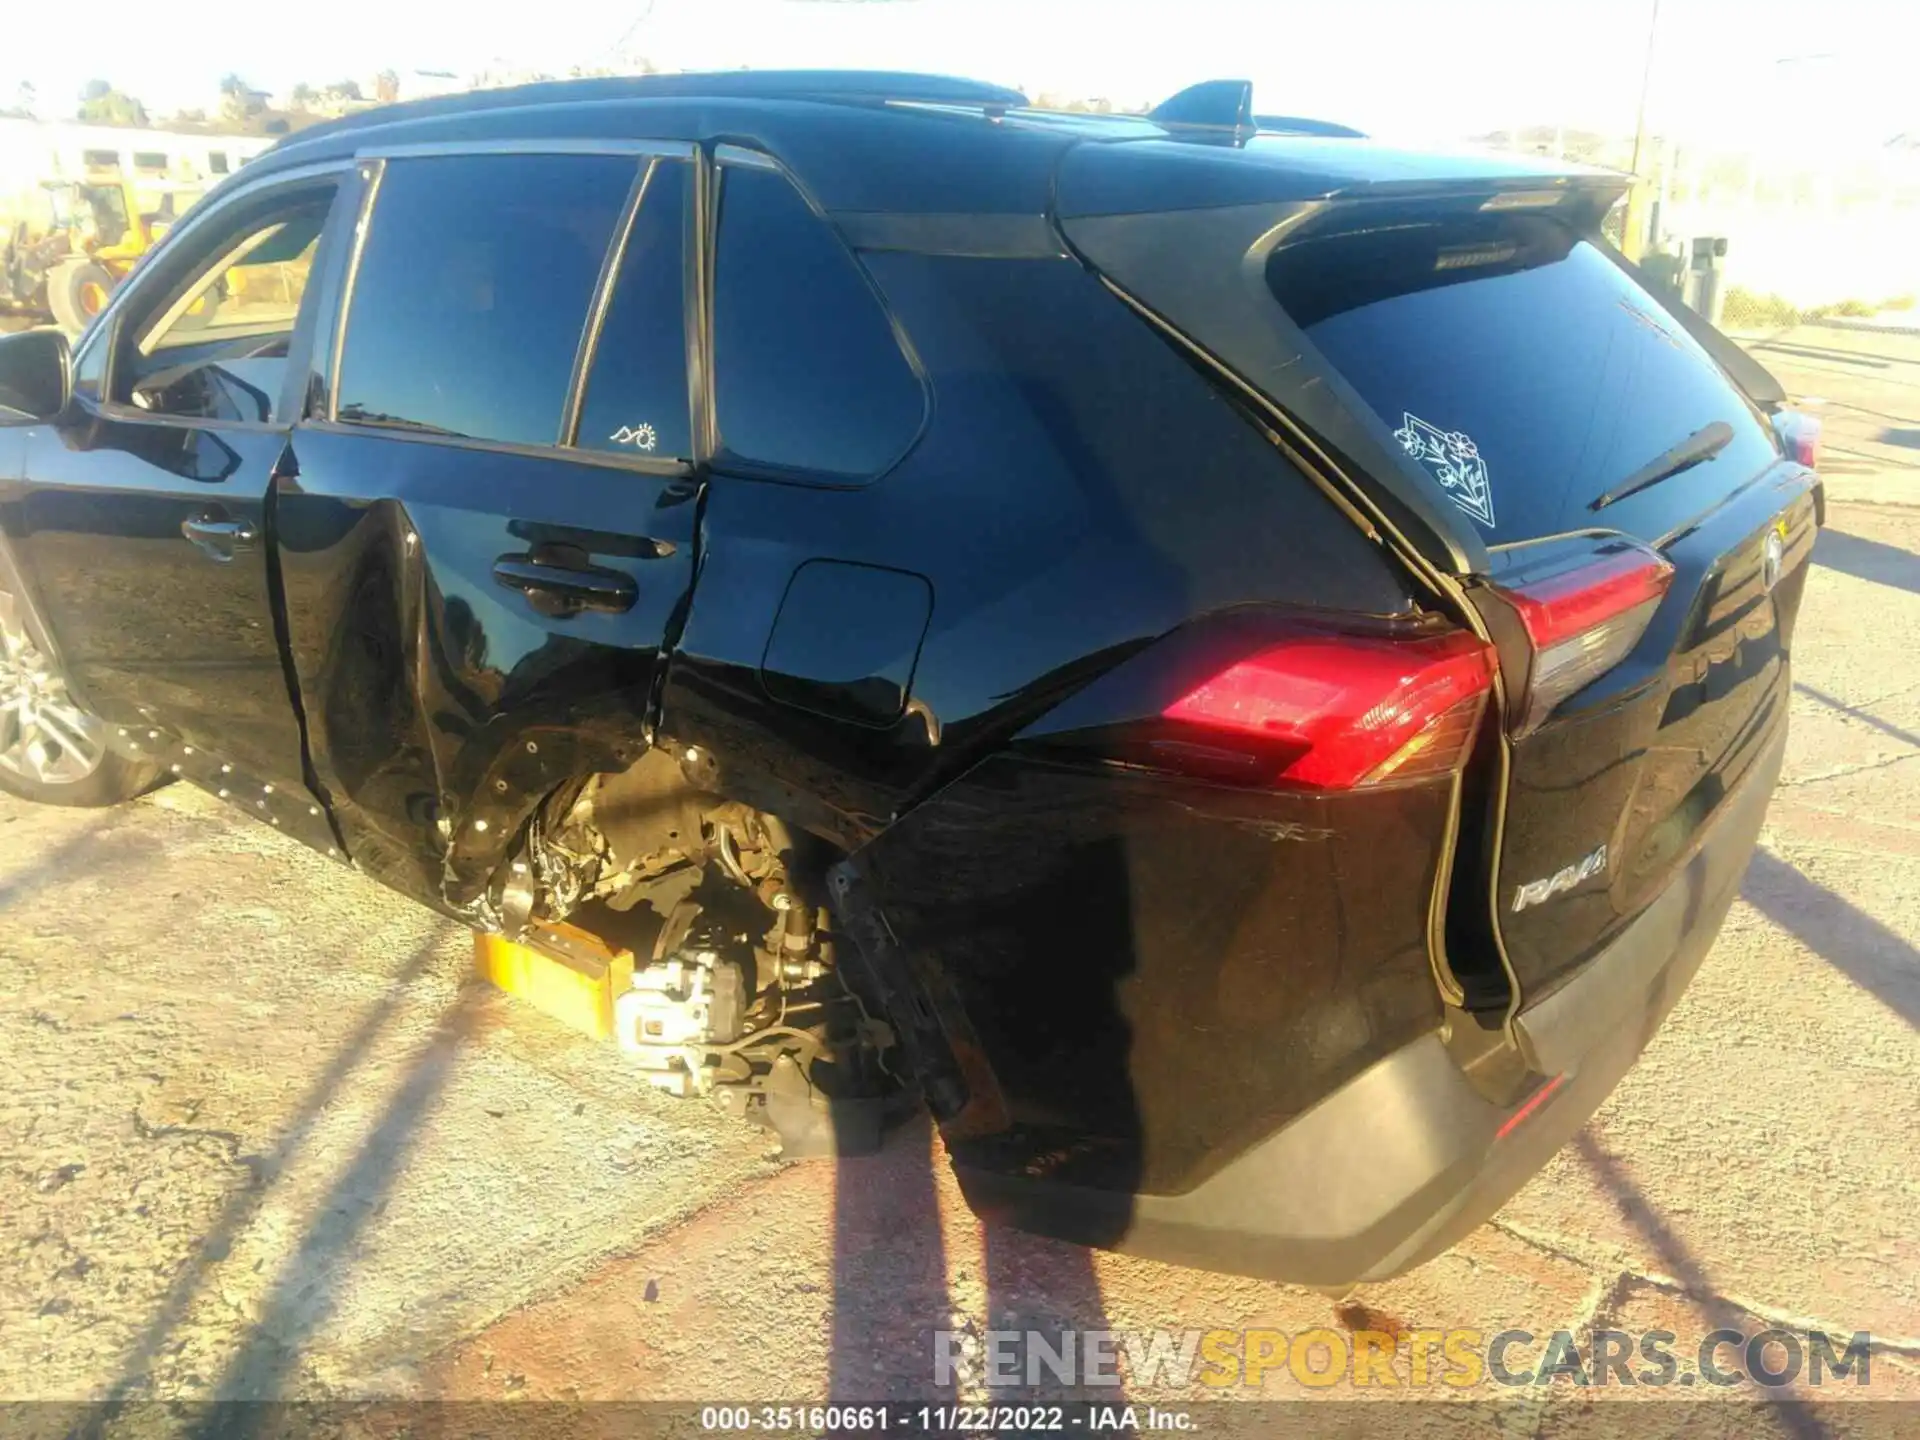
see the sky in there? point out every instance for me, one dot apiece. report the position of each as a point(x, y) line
point(1828, 70)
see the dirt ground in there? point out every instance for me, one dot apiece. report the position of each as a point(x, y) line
point(262, 1136)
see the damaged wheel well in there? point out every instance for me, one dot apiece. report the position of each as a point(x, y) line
point(736, 987)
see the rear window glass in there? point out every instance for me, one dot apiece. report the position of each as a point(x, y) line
point(807, 372)
point(636, 397)
point(473, 289)
point(1525, 371)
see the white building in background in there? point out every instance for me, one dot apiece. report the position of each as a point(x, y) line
point(36, 150)
point(33, 152)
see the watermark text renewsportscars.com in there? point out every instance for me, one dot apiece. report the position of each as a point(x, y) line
point(1460, 1359)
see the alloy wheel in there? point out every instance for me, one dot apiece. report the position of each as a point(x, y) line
point(44, 736)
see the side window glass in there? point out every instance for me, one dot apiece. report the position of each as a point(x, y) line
point(90, 369)
point(472, 290)
point(636, 394)
point(807, 372)
point(216, 349)
point(98, 211)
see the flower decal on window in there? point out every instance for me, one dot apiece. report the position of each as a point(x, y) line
point(1454, 460)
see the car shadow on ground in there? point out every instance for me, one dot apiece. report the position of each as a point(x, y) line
point(1829, 352)
point(101, 847)
point(263, 1363)
point(1677, 1260)
point(891, 1282)
point(1865, 717)
point(1846, 937)
point(1868, 560)
point(301, 1301)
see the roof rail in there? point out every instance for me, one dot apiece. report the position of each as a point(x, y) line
point(730, 84)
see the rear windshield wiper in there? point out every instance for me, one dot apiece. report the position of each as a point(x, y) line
point(1703, 444)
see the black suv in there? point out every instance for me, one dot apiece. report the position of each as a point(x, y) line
point(1247, 666)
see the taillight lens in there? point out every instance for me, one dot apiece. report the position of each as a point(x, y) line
point(1584, 608)
point(1350, 711)
point(1799, 434)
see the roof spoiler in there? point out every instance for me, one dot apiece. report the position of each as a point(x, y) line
point(1223, 111)
point(1301, 125)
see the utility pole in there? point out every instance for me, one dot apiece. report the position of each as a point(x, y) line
point(1633, 239)
point(623, 52)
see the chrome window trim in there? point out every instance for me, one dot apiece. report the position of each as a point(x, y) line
point(373, 162)
point(747, 159)
point(559, 145)
point(197, 219)
point(697, 307)
point(160, 420)
point(234, 255)
point(738, 157)
point(600, 302)
point(372, 172)
point(604, 459)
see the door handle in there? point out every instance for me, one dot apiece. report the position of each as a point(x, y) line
point(218, 536)
point(559, 580)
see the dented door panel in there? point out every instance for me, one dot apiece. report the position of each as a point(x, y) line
point(442, 705)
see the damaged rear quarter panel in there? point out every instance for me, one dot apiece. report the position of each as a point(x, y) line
point(1167, 967)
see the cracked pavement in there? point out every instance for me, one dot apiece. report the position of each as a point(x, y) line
point(263, 1136)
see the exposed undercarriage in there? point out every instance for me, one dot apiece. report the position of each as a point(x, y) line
point(735, 991)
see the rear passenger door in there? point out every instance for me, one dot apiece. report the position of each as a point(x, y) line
point(490, 535)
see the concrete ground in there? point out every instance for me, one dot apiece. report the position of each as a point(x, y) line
point(260, 1134)
point(1865, 386)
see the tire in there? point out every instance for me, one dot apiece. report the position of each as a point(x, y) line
point(202, 312)
point(77, 290)
point(51, 750)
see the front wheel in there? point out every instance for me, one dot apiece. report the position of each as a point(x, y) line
point(77, 290)
point(51, 750)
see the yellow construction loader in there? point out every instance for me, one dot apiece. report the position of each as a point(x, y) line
point(65, 261)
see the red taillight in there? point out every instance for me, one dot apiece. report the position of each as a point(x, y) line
point(1584, 608)
point(1357, 710)
point(1799, 434)
point(1565, 606)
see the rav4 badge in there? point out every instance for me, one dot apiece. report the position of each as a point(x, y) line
point(1534, 891)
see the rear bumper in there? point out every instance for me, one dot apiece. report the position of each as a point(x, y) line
point(1406, 1158)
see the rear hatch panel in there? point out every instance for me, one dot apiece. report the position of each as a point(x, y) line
point(1466, 355)
point(1639, 761)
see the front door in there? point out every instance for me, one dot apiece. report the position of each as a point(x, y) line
point(142, 524)
point(486, 527)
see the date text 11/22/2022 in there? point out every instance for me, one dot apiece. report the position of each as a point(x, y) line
point(943, 1419)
